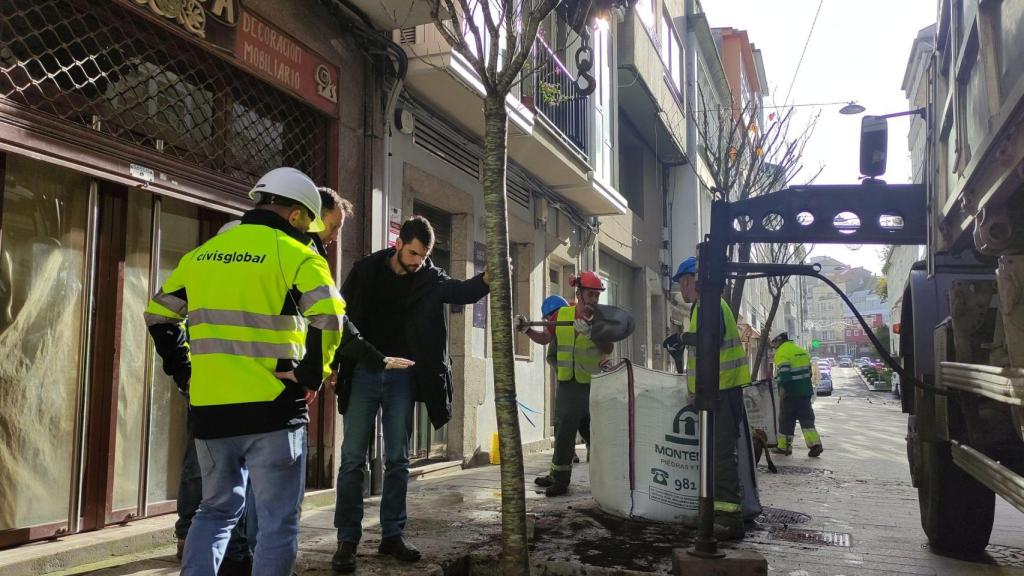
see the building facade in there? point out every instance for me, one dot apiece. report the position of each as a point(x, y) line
point(915, 85)
point(127, 137)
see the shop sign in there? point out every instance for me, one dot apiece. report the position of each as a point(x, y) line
point(256, 45)
point(279, 58)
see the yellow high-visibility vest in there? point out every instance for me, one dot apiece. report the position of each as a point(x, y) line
point(576, 356)
point(733, 369)
point(250, 293)
point(793, 370)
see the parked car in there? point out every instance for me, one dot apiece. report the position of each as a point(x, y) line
point(831, 361)
point(824, 387)
point(845, 362)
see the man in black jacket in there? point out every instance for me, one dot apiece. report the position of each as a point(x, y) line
point(396, 296)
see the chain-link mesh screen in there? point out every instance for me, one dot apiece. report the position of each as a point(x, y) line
point(100, 61)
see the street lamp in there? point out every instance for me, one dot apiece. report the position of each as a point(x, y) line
point(851, 109)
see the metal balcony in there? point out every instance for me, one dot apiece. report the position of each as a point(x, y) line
point(559, 99)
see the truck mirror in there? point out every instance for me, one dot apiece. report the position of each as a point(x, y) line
point(874, 144)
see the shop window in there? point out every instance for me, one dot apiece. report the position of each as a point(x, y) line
point(43, 215)
point(102, 65)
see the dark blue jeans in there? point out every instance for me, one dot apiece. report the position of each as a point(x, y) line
point(190, 494)
point(393, 392)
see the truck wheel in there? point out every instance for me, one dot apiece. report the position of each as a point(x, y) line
point(956, 510)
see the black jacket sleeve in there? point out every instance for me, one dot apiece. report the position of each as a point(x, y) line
point(309, 370)
point(355, 348)
point(171, 342)
point(463, 291)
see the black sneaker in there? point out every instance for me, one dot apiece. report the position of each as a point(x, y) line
point(557, 489)
point(816, 451)
point(575, 458)
point(398, 548)
point(344, 560)
point(544, 481)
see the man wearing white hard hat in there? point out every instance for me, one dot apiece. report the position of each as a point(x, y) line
point(264, 322)
point(793, 375)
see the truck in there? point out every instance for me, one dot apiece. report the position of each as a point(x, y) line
point(962, 319)
point(961, 368)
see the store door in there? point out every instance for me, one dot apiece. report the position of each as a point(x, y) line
point(429, 443)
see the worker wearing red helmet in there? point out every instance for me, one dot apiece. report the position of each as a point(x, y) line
point(577, 357)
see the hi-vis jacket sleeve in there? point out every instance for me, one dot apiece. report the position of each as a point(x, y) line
point(165, 318)
point(321, 304)
point(783, 368)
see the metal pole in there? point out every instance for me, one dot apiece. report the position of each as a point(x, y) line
point(710, 281)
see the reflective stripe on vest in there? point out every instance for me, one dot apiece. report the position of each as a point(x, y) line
point(237, 285)
point(576, 356)
point(733, 370)
point(793, 364)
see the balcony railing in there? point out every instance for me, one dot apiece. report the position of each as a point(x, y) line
point(557, 97)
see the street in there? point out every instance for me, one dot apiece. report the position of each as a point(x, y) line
point(860, 486)
point(850, 512)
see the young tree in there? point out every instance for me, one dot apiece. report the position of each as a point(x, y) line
point(776, 254)
point(496, 38)
point(746, 158)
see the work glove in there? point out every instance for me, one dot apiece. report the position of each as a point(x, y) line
point(395, 363)
point(520, 323)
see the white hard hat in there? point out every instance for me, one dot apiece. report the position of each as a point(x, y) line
point(228, 226)
point(776, 334)
point(292, 183)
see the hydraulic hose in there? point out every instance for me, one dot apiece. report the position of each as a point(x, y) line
point(904, 375)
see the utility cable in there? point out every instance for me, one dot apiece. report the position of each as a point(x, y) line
point(807, 42)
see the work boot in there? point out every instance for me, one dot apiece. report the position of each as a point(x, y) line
point(729, 527)
point(181, 548)
point(544, 481)
point(398, 548)
point(783, 452)
point(816, 451)
point(235, 566)
point(557, 489)
point(344, 560)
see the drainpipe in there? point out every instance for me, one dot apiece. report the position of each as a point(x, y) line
point(686, 216)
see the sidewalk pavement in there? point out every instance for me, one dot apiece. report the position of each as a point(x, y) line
point(850, 512)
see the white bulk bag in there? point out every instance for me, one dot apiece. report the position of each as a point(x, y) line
point(644, 455)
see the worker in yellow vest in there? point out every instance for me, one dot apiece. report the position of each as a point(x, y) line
point(733, 374)
point(264, 320)
point(793, 376)
point(577, 357)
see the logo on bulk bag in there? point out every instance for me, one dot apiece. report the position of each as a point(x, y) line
point(684, 427)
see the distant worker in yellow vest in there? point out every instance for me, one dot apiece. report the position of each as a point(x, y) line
point(793, 376)
point(733, 374)
point(577, 357)
point(264, 320)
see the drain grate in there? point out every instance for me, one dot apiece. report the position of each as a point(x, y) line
point(797, 471)
point(1006, 556)
point(780, 517)
point(813, 537)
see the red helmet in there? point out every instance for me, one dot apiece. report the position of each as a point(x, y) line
point(588, 280)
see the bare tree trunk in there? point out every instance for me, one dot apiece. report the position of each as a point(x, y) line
point(736, 294)
point(515, 560)
point(765, 334)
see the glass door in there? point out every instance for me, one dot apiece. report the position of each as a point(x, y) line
point(44, 234)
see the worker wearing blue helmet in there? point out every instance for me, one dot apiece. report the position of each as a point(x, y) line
point(733, 374)
point(549, 309)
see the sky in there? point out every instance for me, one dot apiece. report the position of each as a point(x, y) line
point(857, 51)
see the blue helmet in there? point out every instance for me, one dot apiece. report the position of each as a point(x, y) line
point(552, 303)
point(688, 266)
